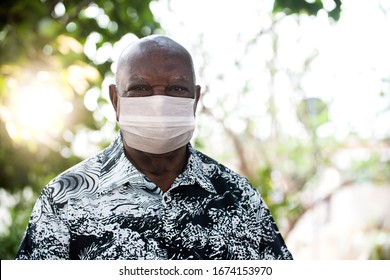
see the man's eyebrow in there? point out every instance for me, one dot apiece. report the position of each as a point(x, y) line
point(181, 78)
point(137, 77)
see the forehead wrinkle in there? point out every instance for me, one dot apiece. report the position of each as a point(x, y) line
point(181, 78)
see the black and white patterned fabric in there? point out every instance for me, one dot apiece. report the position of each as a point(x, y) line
point(104, 208)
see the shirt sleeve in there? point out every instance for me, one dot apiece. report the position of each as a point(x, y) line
point(47, 235)
point(272, 244)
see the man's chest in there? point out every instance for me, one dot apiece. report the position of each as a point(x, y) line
point(139, 225)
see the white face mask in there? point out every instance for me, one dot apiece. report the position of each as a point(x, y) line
point(156, 124)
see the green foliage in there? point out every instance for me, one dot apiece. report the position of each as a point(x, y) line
point(381, 248)
point(306, 7)
point(28, 26)
point(371, 169)
point(19, 213)
point(312, 113)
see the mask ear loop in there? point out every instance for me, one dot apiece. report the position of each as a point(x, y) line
point(196, 98)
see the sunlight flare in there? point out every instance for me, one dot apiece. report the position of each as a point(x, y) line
point(36, 108)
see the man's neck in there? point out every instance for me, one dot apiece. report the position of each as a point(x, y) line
point(160, 169)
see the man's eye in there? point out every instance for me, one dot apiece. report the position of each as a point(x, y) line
point(140, 88)
point(177, 88)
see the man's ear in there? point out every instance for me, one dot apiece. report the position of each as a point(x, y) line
point(114, 99)
point(197, 97)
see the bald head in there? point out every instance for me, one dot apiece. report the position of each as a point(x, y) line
point(151, 48)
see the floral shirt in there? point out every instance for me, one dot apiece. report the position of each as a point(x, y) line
point(104, 208)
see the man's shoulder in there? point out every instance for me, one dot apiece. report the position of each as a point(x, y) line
point(85, 174)
point(203, 157)
point(220, 172)
point(95, 164)
point(86, 166)
point(209, 161)
point(84, 177)
point(229, 183)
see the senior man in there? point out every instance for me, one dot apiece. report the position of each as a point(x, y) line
point(150, 194)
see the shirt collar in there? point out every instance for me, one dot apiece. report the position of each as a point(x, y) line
point(195, 171)
point(116, 168)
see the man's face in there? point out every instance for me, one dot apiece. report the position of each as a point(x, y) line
point(147, 71)
point(156, 72)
